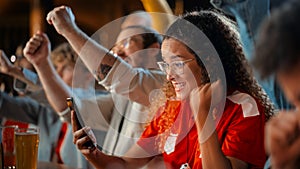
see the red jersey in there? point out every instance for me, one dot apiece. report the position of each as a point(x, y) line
point(240, 133)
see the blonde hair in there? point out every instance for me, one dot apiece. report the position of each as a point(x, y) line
point(64, 52)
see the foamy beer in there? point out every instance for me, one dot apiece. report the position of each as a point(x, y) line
point(26, 146)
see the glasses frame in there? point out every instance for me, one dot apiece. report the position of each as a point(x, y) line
point(176, 67)
point(125, 43)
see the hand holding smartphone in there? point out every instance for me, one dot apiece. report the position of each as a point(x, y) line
point(91, 144)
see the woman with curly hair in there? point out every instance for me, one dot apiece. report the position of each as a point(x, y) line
point(214, 111)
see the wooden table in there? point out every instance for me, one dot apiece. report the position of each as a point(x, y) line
point(49, 165)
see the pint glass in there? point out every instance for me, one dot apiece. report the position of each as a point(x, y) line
point(26, 145)
point(7, 143)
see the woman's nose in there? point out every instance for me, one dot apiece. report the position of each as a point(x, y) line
point(170, 75)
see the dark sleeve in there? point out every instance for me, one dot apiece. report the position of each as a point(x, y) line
point(23, 109)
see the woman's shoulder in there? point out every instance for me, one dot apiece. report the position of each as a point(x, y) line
point(249, 105)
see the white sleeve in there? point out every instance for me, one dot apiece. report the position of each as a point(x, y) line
point(134, 83)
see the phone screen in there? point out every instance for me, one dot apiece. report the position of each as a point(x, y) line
point(20, 86)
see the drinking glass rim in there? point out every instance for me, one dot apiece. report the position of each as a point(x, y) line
point(9, 126)
point(32, 130)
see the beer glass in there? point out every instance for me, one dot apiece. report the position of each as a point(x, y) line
point(7, 146)
point(26, 145)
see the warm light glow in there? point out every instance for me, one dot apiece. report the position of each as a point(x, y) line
point(13, 58)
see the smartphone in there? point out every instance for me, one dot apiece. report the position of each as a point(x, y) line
point(70, 103)
point(19, 86)
point(72, 106)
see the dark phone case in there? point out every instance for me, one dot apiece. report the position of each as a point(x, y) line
point(79, 121)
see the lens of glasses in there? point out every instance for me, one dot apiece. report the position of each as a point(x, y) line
point(174, 67)
point(177, 67)
point(162, 66)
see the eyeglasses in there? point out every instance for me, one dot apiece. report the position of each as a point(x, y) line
point(125, 43)
point(122, 44)
point(175, 67)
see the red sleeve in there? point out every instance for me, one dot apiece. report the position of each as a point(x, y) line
point(244, 138)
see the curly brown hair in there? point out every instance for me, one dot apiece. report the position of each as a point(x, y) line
point(223, 35)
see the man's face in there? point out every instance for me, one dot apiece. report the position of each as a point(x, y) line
point(289, 82)
point(128, 46)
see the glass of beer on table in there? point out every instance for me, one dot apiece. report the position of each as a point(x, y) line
point(8, 158)
point(26, 146)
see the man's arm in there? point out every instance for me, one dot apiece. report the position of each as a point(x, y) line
point(101, 63)
point(37, 51)
point(96, 57)
point(25, 109)
point(139, 85)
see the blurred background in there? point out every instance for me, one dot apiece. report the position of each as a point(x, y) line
point(19, 19)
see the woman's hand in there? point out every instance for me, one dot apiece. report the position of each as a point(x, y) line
point(203, 101)
point(82, 137)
